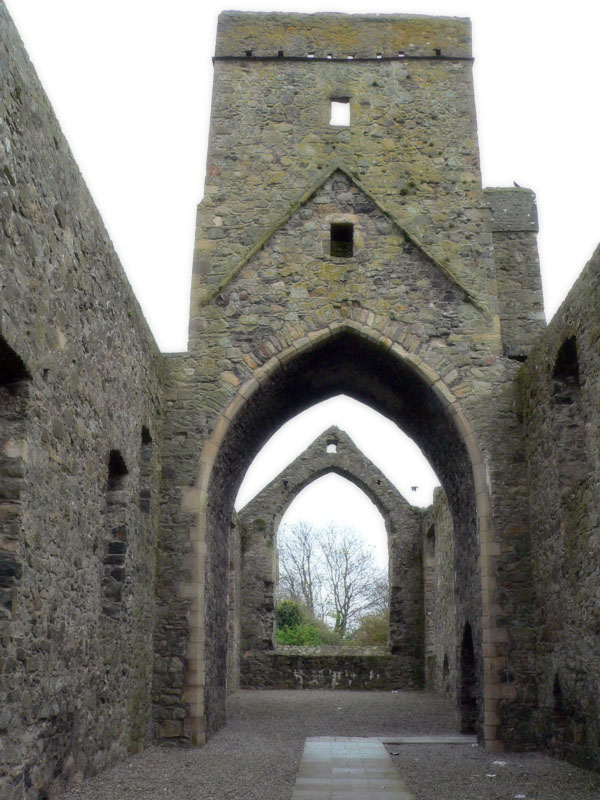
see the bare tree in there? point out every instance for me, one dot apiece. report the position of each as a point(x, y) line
point(331, 572)
point(300, 570)
point(353, 580)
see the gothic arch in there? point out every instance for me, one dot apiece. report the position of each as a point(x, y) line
point(259, 521)
point(358, 360)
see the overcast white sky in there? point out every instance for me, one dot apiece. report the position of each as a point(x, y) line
point(130, 81)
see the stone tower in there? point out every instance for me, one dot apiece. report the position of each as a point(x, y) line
point(348, 256)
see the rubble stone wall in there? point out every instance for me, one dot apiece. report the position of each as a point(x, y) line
point(80, 379)
point(560, 407)
point(441, 636)
point(341, 670)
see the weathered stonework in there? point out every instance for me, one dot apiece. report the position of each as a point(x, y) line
point(560, 407)
point(408, 323)
point(520, 302)
point(80, 376)
point(441, 634)
point(258, 522)
point(331, 668)
point(424, 311)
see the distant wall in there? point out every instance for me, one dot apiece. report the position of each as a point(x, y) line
point(80, 428)
point(327, 668)
point(560, 407)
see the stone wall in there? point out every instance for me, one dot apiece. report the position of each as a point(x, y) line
point(560, 407)
point(441, 634)
point(80, 428)
point(304, 669)
point(520, 301)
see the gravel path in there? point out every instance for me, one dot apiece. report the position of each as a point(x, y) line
point(256, 755)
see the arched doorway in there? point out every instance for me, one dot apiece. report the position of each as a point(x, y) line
point(259, 521)
point(359, 362)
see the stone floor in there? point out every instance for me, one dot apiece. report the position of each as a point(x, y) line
point(258, 755)
point(337, 768)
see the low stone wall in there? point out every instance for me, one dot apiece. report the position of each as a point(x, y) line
point(324, 668)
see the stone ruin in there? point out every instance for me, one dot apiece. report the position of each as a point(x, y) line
point(258, 522)
point(361, 258)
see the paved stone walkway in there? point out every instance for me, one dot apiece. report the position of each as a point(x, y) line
point(356, 768)
point(337, 768)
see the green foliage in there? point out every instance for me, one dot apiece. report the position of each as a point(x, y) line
point(289, 614)
point(296, 626)
point(305, 635)
point(372, 630)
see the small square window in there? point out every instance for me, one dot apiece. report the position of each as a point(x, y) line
point(342, 239)
point(340, 111)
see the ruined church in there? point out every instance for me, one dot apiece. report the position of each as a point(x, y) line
point(362, 257)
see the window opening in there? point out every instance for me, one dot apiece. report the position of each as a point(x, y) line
point(115, 548)
point(340, 111)
point(569, 419)
point(566, 372)
point(248, 53)
point(145, 471)
point(330, 570)
point(14, 389)
point(332, 447)
point(342, 239)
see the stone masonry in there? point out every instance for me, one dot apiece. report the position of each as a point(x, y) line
point(408, 322)
point(80, 436)
point(364, 259)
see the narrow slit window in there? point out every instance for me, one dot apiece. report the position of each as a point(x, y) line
point(340, 111)
point(342, 239)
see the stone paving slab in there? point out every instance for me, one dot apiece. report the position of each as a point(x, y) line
point(347, 768)
point(400, 739)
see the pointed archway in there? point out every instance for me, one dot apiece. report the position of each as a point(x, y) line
point(332, 452)
point(360, 362)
